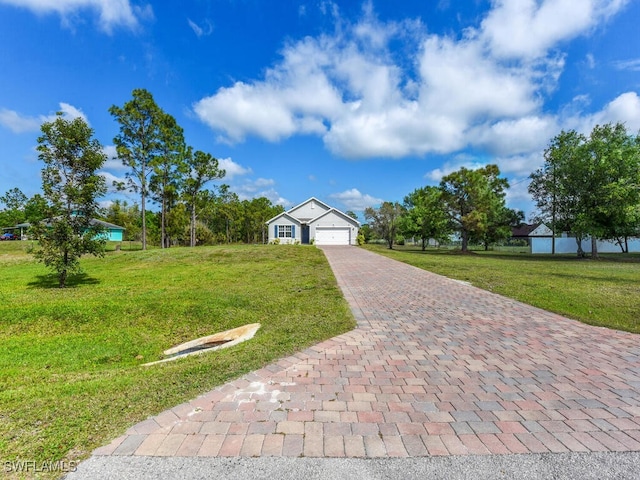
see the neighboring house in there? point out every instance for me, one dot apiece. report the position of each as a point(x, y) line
point(113, 233)
point(541, 239)
point(523, 232)
point(314, 222)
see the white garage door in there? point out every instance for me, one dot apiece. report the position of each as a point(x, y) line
point(332, 236)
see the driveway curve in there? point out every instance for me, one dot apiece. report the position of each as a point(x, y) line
point(435, 367)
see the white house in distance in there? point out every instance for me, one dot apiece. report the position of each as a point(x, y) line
point(314, 222)
point(541, 239)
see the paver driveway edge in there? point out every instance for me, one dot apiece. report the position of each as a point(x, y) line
point(434, 368)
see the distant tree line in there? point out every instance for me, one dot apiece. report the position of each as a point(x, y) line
point(589, 186)
point(161, 168)
point(222, 218)
point(468, 202)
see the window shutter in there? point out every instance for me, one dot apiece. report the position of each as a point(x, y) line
point(276, 231)
point(293, 231)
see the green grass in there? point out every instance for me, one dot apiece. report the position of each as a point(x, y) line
point(70, 358)
point(602, 292)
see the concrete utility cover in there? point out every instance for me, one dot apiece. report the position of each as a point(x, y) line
point(210, 343)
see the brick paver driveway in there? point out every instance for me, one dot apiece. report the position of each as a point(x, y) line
point(435, 367)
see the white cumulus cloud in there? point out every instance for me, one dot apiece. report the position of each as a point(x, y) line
point(111, 13)
point(19, 123)
point(110, 178)
point(261, 187)
point(625, 108)
point(515, 136)
point(353, 199)
point(485, 89)
point(529, 28)
point(232, 169)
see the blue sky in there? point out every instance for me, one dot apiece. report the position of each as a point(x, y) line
point(351, 102)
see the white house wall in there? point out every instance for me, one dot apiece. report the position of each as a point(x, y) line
point(311, 209)
point(541, 231)
point(333, 219)
point(569, 245)
point(281, 222)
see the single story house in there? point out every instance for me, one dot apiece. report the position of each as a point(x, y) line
point(113, 233)
point(523, 232)
point(541, 241)
point(313, 222)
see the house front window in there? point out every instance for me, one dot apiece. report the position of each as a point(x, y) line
point(285, 231)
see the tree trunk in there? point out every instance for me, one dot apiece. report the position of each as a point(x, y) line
point(192, 240)
point(465, 241)
point(163, 230)
point(144, 220)
point(580, 252)
point(424, 244)
point(594, 247)
point(62, 278)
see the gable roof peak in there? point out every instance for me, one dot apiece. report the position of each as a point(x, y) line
point(309, 200)
point(339, 212)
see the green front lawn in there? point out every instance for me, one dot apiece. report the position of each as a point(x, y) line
point(70, 358)
point(604, 292)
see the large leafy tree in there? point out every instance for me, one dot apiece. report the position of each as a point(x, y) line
point(202, 168)
point(500, 223)
point(13, 213)
point(35, 209)
point(385, 220)
point(168, 169)
point(472, 198)
point(256, 212)
point(139, 145)
point(554, 187)
point(127, 216)
point(612, 184)
point(228, 210)
point(71, 187)
point(425, 216)
point(589, 185)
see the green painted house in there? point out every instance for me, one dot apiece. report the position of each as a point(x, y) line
point(113, 233)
